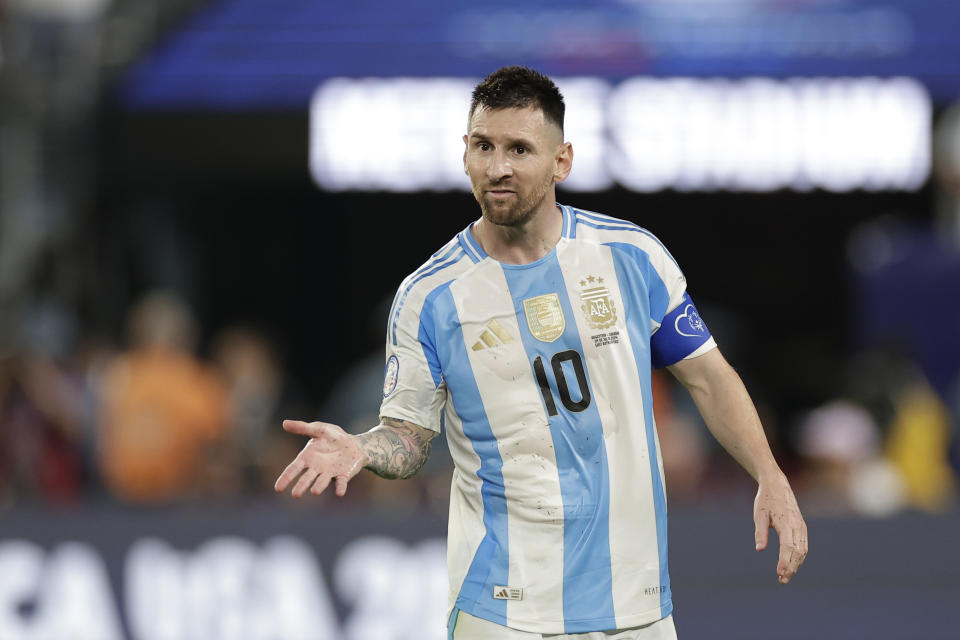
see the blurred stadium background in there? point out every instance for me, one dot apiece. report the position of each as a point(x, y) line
point(205, 209)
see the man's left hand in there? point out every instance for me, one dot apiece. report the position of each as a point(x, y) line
point(776, 507)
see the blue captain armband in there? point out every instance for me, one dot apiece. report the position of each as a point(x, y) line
point(681, 333)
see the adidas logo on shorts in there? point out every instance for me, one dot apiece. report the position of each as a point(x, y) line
point(507, 593)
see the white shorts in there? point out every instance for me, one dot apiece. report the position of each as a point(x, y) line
point(468, 627)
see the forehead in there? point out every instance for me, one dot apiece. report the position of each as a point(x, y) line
point(528, 122)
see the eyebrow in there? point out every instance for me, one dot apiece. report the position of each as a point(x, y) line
point(513, 142)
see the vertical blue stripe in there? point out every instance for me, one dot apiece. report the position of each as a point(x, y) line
point(650, 287)
point(581, 459)
point(490, 564)
point(428, 332)
point(641, 295)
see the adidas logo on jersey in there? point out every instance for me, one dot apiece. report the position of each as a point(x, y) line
point(507, 593)
point(494, 335)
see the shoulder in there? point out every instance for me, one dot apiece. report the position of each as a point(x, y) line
point(619, 234)
point(451, 261)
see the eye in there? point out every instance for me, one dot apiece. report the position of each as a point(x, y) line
point(483, 146)
point(521, 150)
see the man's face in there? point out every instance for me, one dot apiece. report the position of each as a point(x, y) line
point(513, 158)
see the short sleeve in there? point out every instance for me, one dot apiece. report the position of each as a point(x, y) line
point(678, 330)
point(413, 385)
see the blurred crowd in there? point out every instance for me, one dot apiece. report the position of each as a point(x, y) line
point(147, 423)
point(151, 422)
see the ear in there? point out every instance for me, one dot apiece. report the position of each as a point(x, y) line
point(564, 162)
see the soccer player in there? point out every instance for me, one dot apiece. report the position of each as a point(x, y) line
point(533, 333)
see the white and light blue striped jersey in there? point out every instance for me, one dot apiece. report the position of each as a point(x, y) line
point(541, 372)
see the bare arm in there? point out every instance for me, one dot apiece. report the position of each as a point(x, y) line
point(392, 449)
point(396, 449)
point(727, 409)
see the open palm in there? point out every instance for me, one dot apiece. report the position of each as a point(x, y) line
point(330, 454)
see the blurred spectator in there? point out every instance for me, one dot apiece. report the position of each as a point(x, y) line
point(161, 407)
point(39, 456)
point(946, 170)
point(43, 413)
point(883, 449)
point(918, 443)
point(260, 396)
point(845, 471)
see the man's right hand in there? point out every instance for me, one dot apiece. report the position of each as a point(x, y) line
point(331, 454)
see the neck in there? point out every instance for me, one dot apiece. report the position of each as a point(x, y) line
point(522, 244)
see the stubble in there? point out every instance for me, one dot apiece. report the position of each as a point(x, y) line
point(517, 214)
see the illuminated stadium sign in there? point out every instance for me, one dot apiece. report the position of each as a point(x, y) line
point(645, 134)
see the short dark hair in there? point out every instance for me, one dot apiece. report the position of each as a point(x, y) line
point(518, 88)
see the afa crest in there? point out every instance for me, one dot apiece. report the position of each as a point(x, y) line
point(597, 304)
point(545, 317)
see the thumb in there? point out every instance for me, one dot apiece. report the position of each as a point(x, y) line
point(761, 520)
point(301, 428)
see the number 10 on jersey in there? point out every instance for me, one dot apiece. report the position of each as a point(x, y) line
point(560, 375)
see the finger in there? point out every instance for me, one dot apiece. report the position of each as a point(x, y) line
point(341, 486)
point(761, 533)
point(799, 549)
point(790, 568)
point(292, 471)
point(320, 484)
point(301, 428)
point(784, 570)
point(304, 483)
point(791, 554)
point(798, 553)
point(786, 548)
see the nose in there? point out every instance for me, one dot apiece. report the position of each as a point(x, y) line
point(498, 167)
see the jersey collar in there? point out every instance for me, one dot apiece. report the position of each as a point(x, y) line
point(476, 253)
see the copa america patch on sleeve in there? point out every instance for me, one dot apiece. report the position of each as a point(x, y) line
point(390, 374)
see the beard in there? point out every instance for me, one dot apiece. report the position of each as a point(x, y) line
point(517, 210)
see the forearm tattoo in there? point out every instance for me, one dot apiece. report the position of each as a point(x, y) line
point(397, 449)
